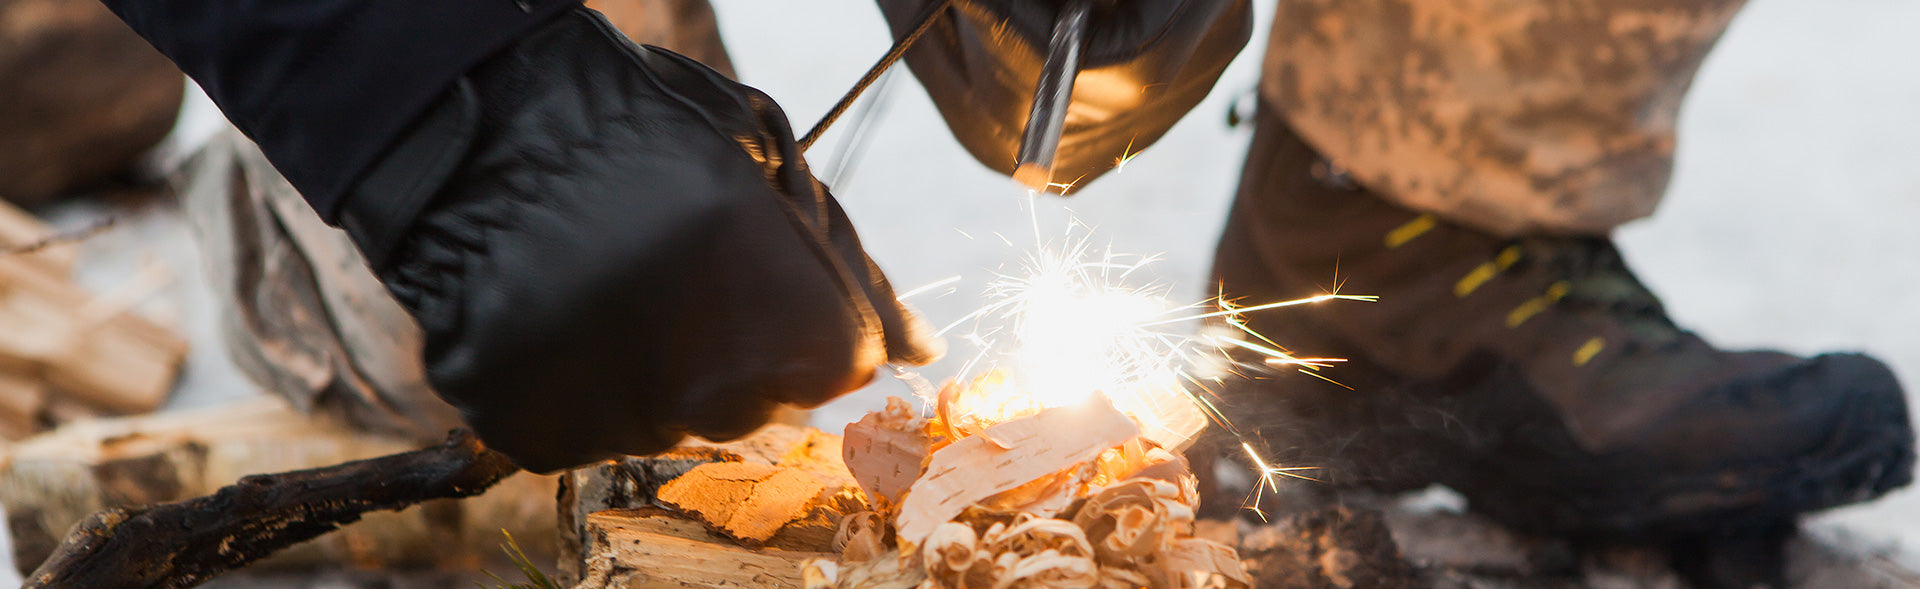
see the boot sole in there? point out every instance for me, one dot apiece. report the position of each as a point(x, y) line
point(1869, 454)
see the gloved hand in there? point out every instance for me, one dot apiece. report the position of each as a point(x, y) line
point(1147, 62)
point(610, 246)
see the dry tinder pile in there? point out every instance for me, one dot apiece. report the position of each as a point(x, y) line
point(1065, 497)
point(1059, 497)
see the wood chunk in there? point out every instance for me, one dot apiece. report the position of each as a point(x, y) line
point(886, 451)
point(764, 446)
point(631, 550)
point(819, 453)
point(1006, 456)
point(781, 498)
point(84, 95)
point(749, 502)
point(118, 363)
point(714, 491)
point(636, 482)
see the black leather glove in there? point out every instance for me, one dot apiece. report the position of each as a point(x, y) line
point(610, 246)
point(1147, 62)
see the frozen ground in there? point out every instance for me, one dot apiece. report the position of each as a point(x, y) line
point(1787, 225)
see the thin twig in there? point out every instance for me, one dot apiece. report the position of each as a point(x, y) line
point(77, 235)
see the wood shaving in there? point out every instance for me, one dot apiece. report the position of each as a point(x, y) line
point(862, 537)
point(1006, 456)
point(1135, 518)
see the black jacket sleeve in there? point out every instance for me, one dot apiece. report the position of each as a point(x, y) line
point(324, 85)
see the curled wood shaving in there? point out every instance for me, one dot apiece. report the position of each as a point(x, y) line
point(1124, 578)
point(862, 537)
point(950, 555)
point(1135, 518)
point(1040, 552)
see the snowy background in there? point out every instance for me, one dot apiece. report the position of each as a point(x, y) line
point(1789, 223)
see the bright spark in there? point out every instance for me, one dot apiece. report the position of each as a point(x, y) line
point(1126, 155)
point(1270, 477)
point(1073, 322)
point(922, 289)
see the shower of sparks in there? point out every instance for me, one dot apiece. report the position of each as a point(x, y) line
point(1075, 321)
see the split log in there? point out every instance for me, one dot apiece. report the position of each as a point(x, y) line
point(84, 97)
point(185, 543)
point(55, 480)
point(654, 548)
point(733, 471)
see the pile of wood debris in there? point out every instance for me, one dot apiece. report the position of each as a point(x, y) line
point(66, 353)
point(1053, 497)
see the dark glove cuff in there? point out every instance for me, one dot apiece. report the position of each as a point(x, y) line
point(324, 85)
point(379, 208)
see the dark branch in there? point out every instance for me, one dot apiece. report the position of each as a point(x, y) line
point(185, 543)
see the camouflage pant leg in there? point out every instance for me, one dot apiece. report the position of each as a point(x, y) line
point(1513, 116)
point(303, 315)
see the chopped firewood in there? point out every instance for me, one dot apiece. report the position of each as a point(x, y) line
point(1006, 456)
point(85, 97)
point(785, 515)
point(638, 548)
point(887, 451)
point(118, 362)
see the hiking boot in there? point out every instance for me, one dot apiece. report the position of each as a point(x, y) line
point(1536, 376)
